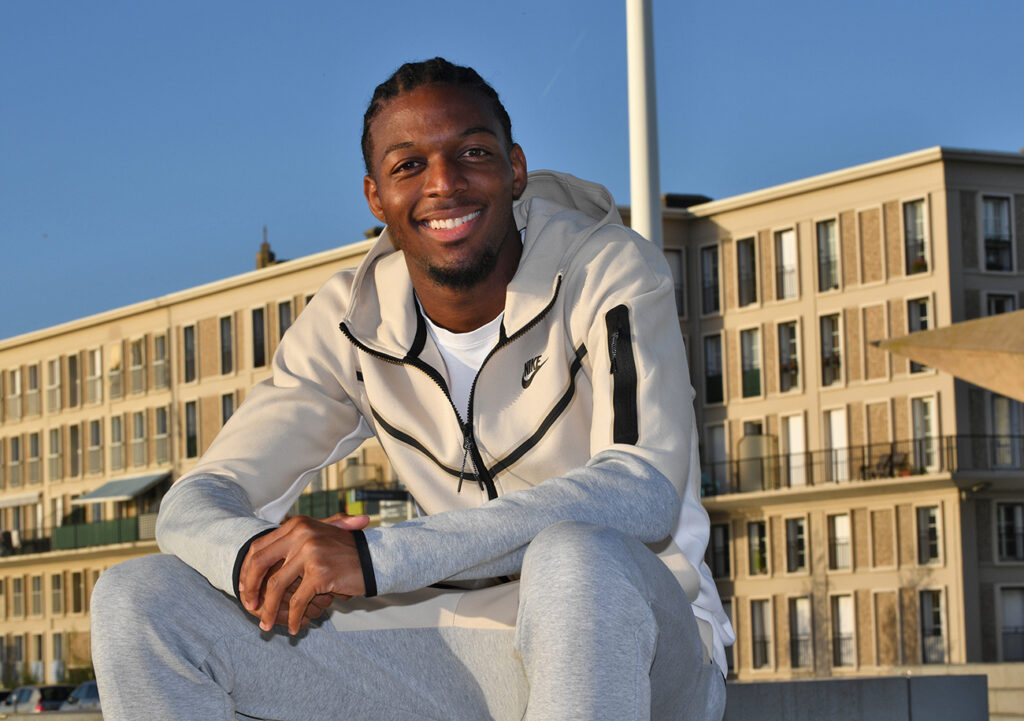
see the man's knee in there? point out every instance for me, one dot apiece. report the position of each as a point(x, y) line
point(138, 589)
point(575, 546)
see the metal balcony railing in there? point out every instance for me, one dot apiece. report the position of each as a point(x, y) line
point(78, 535)
point(842, 650)
point(933, 647)
point(800, 651)
point(762, 652)
point(1013, 643)
point(920, 456)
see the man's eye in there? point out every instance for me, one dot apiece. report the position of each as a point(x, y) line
point(406, 166)
point(477, 152)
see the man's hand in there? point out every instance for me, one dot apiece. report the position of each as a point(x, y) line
point(292, 574)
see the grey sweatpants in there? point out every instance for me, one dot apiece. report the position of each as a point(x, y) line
point(602, 631)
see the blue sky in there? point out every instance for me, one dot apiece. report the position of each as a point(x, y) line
point(143, 145)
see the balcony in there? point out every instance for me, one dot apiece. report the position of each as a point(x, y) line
point(78, 535)
point(946, 454)
point(800, 651)
point(785, 282)
point(842, 649)
point(1013, 643)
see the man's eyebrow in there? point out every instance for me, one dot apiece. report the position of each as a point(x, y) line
point(464, 134)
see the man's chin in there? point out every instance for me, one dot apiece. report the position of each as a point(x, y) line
point(465, 276)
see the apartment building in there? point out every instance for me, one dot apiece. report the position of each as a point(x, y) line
point(98, 416)
point(867, 512)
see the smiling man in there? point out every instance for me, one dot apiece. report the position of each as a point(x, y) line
point(516, 352)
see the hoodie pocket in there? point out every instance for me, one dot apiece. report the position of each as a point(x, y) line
point(625, 424)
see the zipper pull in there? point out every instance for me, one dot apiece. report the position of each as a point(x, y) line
point(467, 446)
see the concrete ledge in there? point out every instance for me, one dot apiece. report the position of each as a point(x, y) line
point(900, 698)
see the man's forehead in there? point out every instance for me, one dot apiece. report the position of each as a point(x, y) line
point(417, 107)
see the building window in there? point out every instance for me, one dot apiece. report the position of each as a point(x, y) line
point(284, 317)
point(161, 437)
point(191, 430)
point(913, 237)
point(800, 632)
point(933, 644)
point(1006, 436)
point(227, 407)
point(226, 346)
point(918, 319)
point(53, 385)
point(709, 280)
point(789, 354)
point(675, 264)
point(842, 631)
point(760, 634)
point(74, 450)
point(998, 238)
point(58, 651)
point(831, 350)
point(77, 592)
point(17, 597)
point(757, 540)
point(139, 439)
point(713, 390)
point(927, 535)
point(32, 405)
point(55, 459)
point(14, 395)
point(718, 551)
point(259, 338)
point(1012, 623)
point(94, 375)
point(785, 264)
point(115, 373)
point(57, 594)
point(74, 381)
point(998, 303)
point(828, 256)
point(95, 447)
point(137, 365)
point(161, 379)
point(116, 443)
point(1010, 528)
point(36, 599)
point(746, 271)
point(14, 460)
point(796, 545)
point(188, 334)
point(34, 462)
point(926, 442)
point(839, 541)
point(750, 352)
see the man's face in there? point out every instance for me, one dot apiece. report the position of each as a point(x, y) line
point(443, 181)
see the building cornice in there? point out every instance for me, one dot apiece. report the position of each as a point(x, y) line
point(181, 296)
point(855, 173)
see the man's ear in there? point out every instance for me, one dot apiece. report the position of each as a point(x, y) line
point(373, 198)
point(518, 159)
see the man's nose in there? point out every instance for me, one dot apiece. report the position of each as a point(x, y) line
point(444, 177)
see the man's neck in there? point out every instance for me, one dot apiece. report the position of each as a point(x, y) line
point(461, 310)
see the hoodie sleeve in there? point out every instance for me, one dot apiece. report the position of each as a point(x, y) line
point(640, 466)
point(295, 423)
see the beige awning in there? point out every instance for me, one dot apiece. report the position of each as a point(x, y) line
point(22, 499)
point(988, 352)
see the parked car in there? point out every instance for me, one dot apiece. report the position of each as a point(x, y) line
point(86, 697)
point(36, 699)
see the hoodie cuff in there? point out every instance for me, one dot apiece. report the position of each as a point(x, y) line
point(240, 559)
point(369, 578)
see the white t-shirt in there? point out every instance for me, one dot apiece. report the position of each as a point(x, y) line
point(463, 355)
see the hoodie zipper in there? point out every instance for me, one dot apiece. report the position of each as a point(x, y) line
point(470, 451)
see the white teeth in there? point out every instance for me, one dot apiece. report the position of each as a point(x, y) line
point(449, 223)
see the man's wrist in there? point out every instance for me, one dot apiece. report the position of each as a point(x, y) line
point(365, 563)
point(240, 559)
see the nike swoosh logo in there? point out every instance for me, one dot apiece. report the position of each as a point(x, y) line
point(530, 369)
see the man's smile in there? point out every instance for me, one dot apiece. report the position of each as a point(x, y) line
point(450, 223)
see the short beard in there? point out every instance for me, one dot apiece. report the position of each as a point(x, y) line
point(465, 277)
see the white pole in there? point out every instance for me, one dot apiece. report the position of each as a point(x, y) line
point(644, 184)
